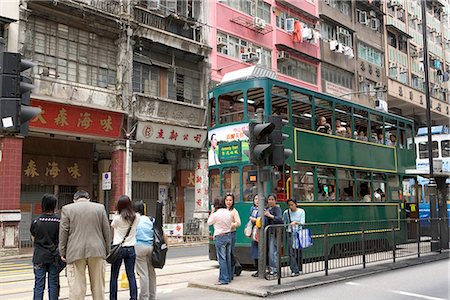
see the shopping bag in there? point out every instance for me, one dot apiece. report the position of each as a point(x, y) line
point(248, 229)
point(304, 238)
point(255, 234)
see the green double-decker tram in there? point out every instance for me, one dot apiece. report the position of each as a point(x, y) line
point(348, 162)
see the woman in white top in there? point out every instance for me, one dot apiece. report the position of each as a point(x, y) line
point(229, 202)
point(125, 219)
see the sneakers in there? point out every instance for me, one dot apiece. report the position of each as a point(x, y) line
point(256, 274)
point(295, 274)
point(221, 283)
point(272, 273)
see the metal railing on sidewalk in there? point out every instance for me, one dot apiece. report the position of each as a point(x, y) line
point(345, 244)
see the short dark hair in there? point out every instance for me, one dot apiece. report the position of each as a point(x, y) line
point(292, 200)
point(48, 203)
point(139, 207)
point(81, 194)
point(219, 203)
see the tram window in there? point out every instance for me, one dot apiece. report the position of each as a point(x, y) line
point(361, 124)
point(214, 183)
point(364, 186)
point(376, 129)
point(402, 139)
point(212, 112)
point(326, 184)
point(379, 187)
point(280, 102)
point(445, 146)
point(423, 149)
point(324, 109)
point(391, 132)
point(249, 178)
point(231, 107)
point(343, 123)
point(346, 185)
point(255, 99)
point(303, 183)
point(394, 187)
point(301, 110)
point(231, 182)
point(409, 137)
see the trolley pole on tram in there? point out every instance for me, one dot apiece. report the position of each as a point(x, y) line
point(432, 187)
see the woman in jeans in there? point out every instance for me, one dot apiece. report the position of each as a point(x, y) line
point(229, 202)
point(144, 249)
point(45, 231)
point(254, 248)
point(222, 220)
point(294, 218)
point(122, 221)
point(273, 216)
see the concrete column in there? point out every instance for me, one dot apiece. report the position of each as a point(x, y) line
point(118, 174)
point(10, 180)
point(201, 192)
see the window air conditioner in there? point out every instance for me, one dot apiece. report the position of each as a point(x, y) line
point(282, 55)
point(259, 23)
point(221, 41)
point(379, 85)
point(381, 105)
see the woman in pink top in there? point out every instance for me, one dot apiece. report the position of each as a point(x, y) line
point(222, 219)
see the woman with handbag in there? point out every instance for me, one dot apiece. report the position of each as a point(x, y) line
point(144, 250)
point(45, 231)
point(294, 217)
point(235, 265)
point(124, 224)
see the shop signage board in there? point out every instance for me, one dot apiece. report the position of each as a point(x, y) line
point(59, 117)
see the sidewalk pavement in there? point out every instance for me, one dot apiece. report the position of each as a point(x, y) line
point(247, 285)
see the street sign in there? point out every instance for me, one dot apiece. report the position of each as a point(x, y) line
point(106, 181)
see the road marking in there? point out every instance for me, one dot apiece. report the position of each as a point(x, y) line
point(353, 283)
point(417, 295)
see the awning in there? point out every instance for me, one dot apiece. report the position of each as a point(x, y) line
point(5, 20)
point(298, 53)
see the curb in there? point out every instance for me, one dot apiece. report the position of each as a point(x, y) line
point(272, 290)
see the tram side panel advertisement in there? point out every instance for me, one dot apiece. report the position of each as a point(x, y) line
point(227, 144)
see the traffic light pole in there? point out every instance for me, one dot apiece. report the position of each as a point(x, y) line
point(261, 208)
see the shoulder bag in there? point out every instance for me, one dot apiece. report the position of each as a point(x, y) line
point(159, 244)
point(116, 250)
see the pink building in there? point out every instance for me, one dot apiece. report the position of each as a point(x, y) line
point(281, 35)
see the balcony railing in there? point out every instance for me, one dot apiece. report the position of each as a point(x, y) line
point(110, 6)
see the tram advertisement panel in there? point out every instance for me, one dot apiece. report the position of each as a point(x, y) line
point(227, 144)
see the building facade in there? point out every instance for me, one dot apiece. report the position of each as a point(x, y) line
point(122, 88)
point(279, 35)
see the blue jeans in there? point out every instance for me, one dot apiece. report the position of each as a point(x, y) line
point(295, 255)
point(128, 255)
point(223, 251)
point(273, 252)
point(40, 271)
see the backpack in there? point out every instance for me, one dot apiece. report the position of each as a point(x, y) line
point(159, 244)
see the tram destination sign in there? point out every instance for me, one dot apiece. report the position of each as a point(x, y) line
point(230, 151)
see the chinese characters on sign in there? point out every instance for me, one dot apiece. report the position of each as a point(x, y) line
point(55, 170)
point(201, 185)
point(76, 119)
point(170, 135)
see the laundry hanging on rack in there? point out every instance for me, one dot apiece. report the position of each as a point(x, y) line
point(316, 36)
point(348, 51)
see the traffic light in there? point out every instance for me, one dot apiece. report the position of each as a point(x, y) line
point(259, 146)
point(280, 154)
point(15, 90)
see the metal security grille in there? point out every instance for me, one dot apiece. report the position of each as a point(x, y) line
point(146, 192)
point(65, 195)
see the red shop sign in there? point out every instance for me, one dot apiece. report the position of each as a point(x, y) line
point(77, 119)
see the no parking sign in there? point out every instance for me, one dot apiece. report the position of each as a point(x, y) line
point(106, 181)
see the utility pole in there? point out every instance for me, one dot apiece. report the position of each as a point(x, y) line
point(432, 184)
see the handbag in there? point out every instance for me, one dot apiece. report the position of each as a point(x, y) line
point(116, 250)
point(304, 238)
point(248, 229)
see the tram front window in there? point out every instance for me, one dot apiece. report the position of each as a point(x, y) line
point(231, 182)
point(231, 107)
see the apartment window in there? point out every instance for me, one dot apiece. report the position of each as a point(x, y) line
point(344, 36)
point(235, 47)
point(146, 79)
point(256, 8)
point(328, 31)
point(370, 54)
point(392, 39)
point(403, 75)
point(72, 54)
point(298, 69)
point(337, 76)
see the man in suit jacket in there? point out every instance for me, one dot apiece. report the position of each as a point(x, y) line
point(84, 240)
